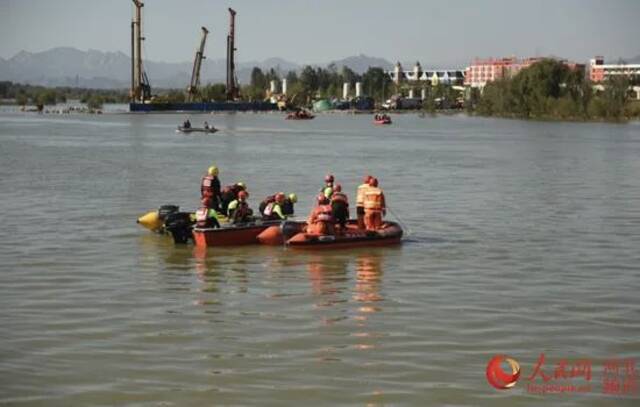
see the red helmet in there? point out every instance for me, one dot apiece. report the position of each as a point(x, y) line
point(322, 199)
point(337, 188)
point(328, 178)
point(280, 197)
point(366, 179)
point(373, 182)
point(243, 195)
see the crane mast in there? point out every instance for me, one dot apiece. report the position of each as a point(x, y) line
point(192, 90)
point(232, 90)
point(140, 88)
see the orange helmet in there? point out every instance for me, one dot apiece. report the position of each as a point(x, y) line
point(373, 182)
point(322, 199)
point(328, 178)
point(337, 188)
point(280, 197)
point(243, 195)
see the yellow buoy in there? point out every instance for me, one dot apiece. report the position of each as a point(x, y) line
point(151, 220)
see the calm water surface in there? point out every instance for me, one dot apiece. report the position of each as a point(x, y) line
point(524, 239)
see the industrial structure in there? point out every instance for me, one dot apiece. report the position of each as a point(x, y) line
point(140, 88)
point(232, 87)
point(141, 99)
point(192, 90)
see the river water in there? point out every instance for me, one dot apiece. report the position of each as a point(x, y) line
point(523, 239)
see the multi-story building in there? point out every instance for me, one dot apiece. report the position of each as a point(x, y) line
point(599, 71)
point(483, 71)
point(429, 76)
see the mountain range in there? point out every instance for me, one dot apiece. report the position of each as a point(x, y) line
point(66, 66)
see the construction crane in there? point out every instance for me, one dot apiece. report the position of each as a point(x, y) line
point(192, 90)
point(140, 88)
point(232, 89)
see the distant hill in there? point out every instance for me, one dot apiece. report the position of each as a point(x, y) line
point(66, 66)
point(361, 63)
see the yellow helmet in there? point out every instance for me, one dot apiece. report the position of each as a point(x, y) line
point(241, 184)
point(213, 170)
point(293, 197)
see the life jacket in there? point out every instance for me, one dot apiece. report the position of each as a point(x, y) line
point(360, 192)
point(322, 213)
point(203, 217)
point(269, 211)
point(208, 186)
point(266, 201)
point(287, 207)
point(340, 197)
point(239, 209)
point(327, 191)
point(374, 199)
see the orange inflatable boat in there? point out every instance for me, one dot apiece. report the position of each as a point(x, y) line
point(294, 235)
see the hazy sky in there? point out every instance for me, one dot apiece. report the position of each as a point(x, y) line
point(305, 31)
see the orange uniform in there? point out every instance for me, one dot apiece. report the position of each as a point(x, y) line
point(374, 208)
point(360, 192)
point(321, 221)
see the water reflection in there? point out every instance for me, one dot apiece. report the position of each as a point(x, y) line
point(328, 277)
point(367, 293)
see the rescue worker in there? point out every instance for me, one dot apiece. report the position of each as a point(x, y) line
point(273, 210)
point(340, 206)
point(207, 218)
point(239, 211)
point(266, 201)
point(321, 219)
point(230, 193)
point(374, 206)
point(210, 189)
point(287, 206)
point(186, 124)
point(360, 201)
point(327, 189)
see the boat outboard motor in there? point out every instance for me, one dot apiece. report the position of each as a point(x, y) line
point(166, 210)
point(179, 224)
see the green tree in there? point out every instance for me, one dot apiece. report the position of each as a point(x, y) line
point(213, 91)
point(95, 102)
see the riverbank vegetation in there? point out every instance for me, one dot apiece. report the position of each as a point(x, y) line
point(21, 94)
point(550, 90)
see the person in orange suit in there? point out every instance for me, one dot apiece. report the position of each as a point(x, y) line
point(374, 206)
point(321, 220)
point(360, 201)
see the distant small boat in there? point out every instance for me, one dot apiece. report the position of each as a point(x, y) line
point(384, 120)
point(299, 116)
point(195, 129)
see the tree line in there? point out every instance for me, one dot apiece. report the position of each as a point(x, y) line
point(550, 89)
point(23, 94)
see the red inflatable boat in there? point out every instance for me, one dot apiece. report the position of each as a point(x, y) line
point(385, 120)
point(232, 235)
